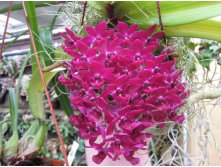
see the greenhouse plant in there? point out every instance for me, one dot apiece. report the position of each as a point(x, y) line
point(110, 83)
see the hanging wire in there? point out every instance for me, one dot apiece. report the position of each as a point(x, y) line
point(84, 10)
point(160, 20)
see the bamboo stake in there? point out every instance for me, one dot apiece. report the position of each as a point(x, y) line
point(6, 26)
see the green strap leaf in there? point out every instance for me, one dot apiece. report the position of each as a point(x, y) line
point(33, 21)
point(207, 29)
point(36, 94)
point(172, 13)
point(10, 148)
point(52, 24)
point(49, 55)
point(13, 109)
point(19, 79)
point(47, 46)
point(180, 19)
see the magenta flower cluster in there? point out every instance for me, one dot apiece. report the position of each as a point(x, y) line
point(122, 87)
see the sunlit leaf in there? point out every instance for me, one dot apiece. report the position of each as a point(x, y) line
point(180, 19)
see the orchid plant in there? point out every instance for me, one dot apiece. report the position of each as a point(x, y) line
point(122, 83)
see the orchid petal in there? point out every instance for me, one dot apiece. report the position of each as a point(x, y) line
point(82, 47)
point(91, 31)
point(150, 30)
point(101, 27)
point(122, 27)
point(99, 157)
point(137, 45)
point(158, 35)
point(132, 28)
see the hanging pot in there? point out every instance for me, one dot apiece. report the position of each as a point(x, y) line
point(142, 154)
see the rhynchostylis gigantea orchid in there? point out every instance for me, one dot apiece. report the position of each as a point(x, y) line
point(122, 86)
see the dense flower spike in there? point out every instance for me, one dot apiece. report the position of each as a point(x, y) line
point(122, 87)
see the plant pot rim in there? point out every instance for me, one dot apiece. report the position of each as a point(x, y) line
point(53, 161)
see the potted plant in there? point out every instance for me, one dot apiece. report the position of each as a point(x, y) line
point(123, 83)
point(23, 149)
